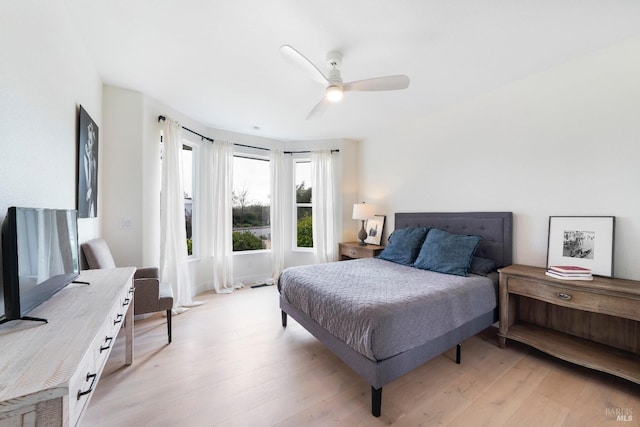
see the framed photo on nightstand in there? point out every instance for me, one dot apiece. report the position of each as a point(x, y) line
point(374, 227)
point(583, 241)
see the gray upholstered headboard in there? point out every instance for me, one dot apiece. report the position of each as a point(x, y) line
point(496, 229)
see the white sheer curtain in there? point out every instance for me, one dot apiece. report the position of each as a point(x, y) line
point(324, 210)
point(174, 268)
point(278, 191)
point(219, 213)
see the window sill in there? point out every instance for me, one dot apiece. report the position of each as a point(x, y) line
point(307, 250)
point(259, 251)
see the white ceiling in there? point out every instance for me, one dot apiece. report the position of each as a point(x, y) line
point(218, 62)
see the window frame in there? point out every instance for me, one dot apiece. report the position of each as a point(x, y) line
point(188, 145)
point(304, 158)
point(247, 153)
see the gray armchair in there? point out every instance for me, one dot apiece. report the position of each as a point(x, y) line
point(150, 295)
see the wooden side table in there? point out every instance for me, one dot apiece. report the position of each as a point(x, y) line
point(590, 323)
point(353, 250)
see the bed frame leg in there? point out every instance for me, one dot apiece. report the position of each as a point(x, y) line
point(458, 353)
point(284, 319)
point(376, 401)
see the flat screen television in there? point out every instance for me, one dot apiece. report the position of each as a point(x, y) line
point(40, 256)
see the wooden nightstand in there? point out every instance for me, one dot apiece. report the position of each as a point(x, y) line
point(591, 323)
point(353, 250)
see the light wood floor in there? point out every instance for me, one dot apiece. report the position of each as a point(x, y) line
point(232, 364)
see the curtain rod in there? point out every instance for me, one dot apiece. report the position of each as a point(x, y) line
point(163, 118)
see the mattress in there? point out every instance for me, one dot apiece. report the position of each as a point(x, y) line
point(380, 308)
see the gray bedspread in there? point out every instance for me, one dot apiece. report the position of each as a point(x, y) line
point(380, 308)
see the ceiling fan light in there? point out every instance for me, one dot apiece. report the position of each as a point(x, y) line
point(335, 93)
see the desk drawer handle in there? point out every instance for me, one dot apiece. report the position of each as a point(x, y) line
point(118, 319)
point(91, 377)
point(126, 302)
point(563, 296)
point(107, 341)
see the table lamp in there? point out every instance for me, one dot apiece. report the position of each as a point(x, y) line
point(362, 212)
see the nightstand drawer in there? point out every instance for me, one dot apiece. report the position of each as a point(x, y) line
point(352, 250)
point(572, 297)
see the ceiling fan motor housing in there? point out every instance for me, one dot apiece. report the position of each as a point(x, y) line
point(334, 59)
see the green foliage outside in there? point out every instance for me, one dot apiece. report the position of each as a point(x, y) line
point(251, 216)
point(246, 241)
point(189, 247)
point(305, 232)
point(247, 215)
point(305, 221)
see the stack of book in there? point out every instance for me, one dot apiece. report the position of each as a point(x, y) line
point(569, 272)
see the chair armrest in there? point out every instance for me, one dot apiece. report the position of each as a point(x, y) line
point(146, 295)
point(146, 273)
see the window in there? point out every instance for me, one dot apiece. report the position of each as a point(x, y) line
point(304, 227)
point(187, 179)
point(251, 203)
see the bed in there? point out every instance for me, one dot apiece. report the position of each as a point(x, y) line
point(383, 318)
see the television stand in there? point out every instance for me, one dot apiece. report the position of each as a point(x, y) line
point(48, 373)
point(34, 319)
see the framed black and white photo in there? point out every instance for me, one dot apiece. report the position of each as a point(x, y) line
point(87, 166)
point(374, 227)
point(583, 241)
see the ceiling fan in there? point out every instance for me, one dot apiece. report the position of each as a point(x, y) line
point(335, 88)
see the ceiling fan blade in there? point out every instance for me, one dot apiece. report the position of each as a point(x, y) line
point(396, 82)
point(302, 62)
point(319, 109)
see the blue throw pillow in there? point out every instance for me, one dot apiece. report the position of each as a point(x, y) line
point(447, 253)
point(404, 244)
point(482, 266)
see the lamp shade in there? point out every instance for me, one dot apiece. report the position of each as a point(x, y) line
point(363, 211)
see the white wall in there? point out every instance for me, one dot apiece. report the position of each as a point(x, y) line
point(122, 208)
point(45, 74)
point(563, 142)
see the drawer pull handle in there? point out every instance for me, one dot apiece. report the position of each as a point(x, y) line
point(131, 289)
point(91, 377)
point(563, 296)
point(126, 302)
point(118, 319)
point(107, 341)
